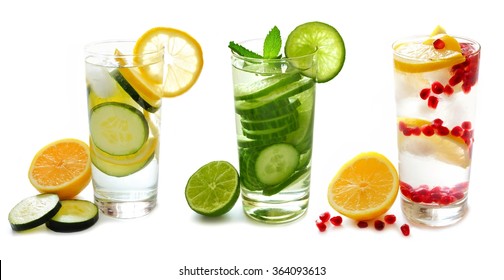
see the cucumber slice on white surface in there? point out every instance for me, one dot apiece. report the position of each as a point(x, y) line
point(34, 211)
point(74, 215)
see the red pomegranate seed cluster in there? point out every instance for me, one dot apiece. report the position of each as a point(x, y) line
point(463, 131)
point(465, 73)
point(325, 217)
point(379, 225)
point(438, 195)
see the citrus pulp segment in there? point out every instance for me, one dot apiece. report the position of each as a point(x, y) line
point(213, 189)
point(365, 187)
point(325, 40)
point(184, 59)
point(62, 167)
point(447, 148)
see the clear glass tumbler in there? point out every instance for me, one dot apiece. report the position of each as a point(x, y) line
point(124, 119)
point(435, 102)
point(275, 106)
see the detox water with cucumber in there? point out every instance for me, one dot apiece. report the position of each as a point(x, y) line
point(274, 106)
point(124, 118)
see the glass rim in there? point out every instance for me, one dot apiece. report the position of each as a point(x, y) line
point(269, 60)
point(419, 38)
point(91, 49)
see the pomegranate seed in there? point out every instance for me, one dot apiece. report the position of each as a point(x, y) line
point(379, 225)
point(407, 131)
point(437, 88)
point(321, 226)
point(336, 220)
point(457, 131)
point(466, 125)
point(416, 131)
point(456, 78)
point(466, 88)
point(428, 130)
point(362, 224)
point(424, 93)
point(402, 126)
point(438, 44)
point(437, 122)
point(405, 230)
point(442, 130)
point(432, 102)
point(324, 217)
point(448, 90)
point(390, 219)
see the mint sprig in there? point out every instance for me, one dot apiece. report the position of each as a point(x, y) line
point(271, 46)
point(272, 43)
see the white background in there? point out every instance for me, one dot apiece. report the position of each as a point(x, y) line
point(43, 92)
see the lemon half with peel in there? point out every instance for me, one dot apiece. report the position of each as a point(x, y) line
point(183, 59)
point(422, 56)
point(449, 149)
point(365, 187)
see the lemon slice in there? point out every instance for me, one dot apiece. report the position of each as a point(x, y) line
point(183, 59)
point(415, 57)
point(449, 149)
point(365, 187)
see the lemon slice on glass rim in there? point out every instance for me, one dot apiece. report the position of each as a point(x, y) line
point(418, 56)
point(183, 59)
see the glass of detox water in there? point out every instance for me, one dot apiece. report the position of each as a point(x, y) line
point(436, 82)
point(274, 108)
point(124, 119)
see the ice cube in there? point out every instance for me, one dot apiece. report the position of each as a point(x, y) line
point(100, 81)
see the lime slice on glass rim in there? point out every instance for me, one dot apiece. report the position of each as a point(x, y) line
point(213, 189)
point(328, 43)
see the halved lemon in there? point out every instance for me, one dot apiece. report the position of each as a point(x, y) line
point(183, 59)
point(449, 149)
point(365, 187)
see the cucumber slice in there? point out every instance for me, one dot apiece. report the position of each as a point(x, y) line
point(255, 143)
point(149, 104)
point(34, 211)
point(292, 179)
point(74, 215)
point(276, 163)
point(118, 129)
point(260, 88)
point(270, 123)
point(273, 133)
point(272, 110)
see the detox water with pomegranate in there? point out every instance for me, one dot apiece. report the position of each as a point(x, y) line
point(436, 80)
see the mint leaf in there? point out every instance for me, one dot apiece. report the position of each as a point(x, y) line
point(242, 50)
point(272, 43)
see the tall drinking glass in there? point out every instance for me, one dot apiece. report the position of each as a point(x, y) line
point(435, 100)
point(124, 118)
point(274, 105)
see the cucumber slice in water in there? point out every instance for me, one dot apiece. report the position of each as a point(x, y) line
point(118, 129)
point(263, 87)
point(34, 211)
point(74, 215)
point(276, 163)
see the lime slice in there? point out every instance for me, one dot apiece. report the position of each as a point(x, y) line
point(213, 189)
point(328, 43)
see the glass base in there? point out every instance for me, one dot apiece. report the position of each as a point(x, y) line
point(434, 215)
point(272, 212)
point(126, 210)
